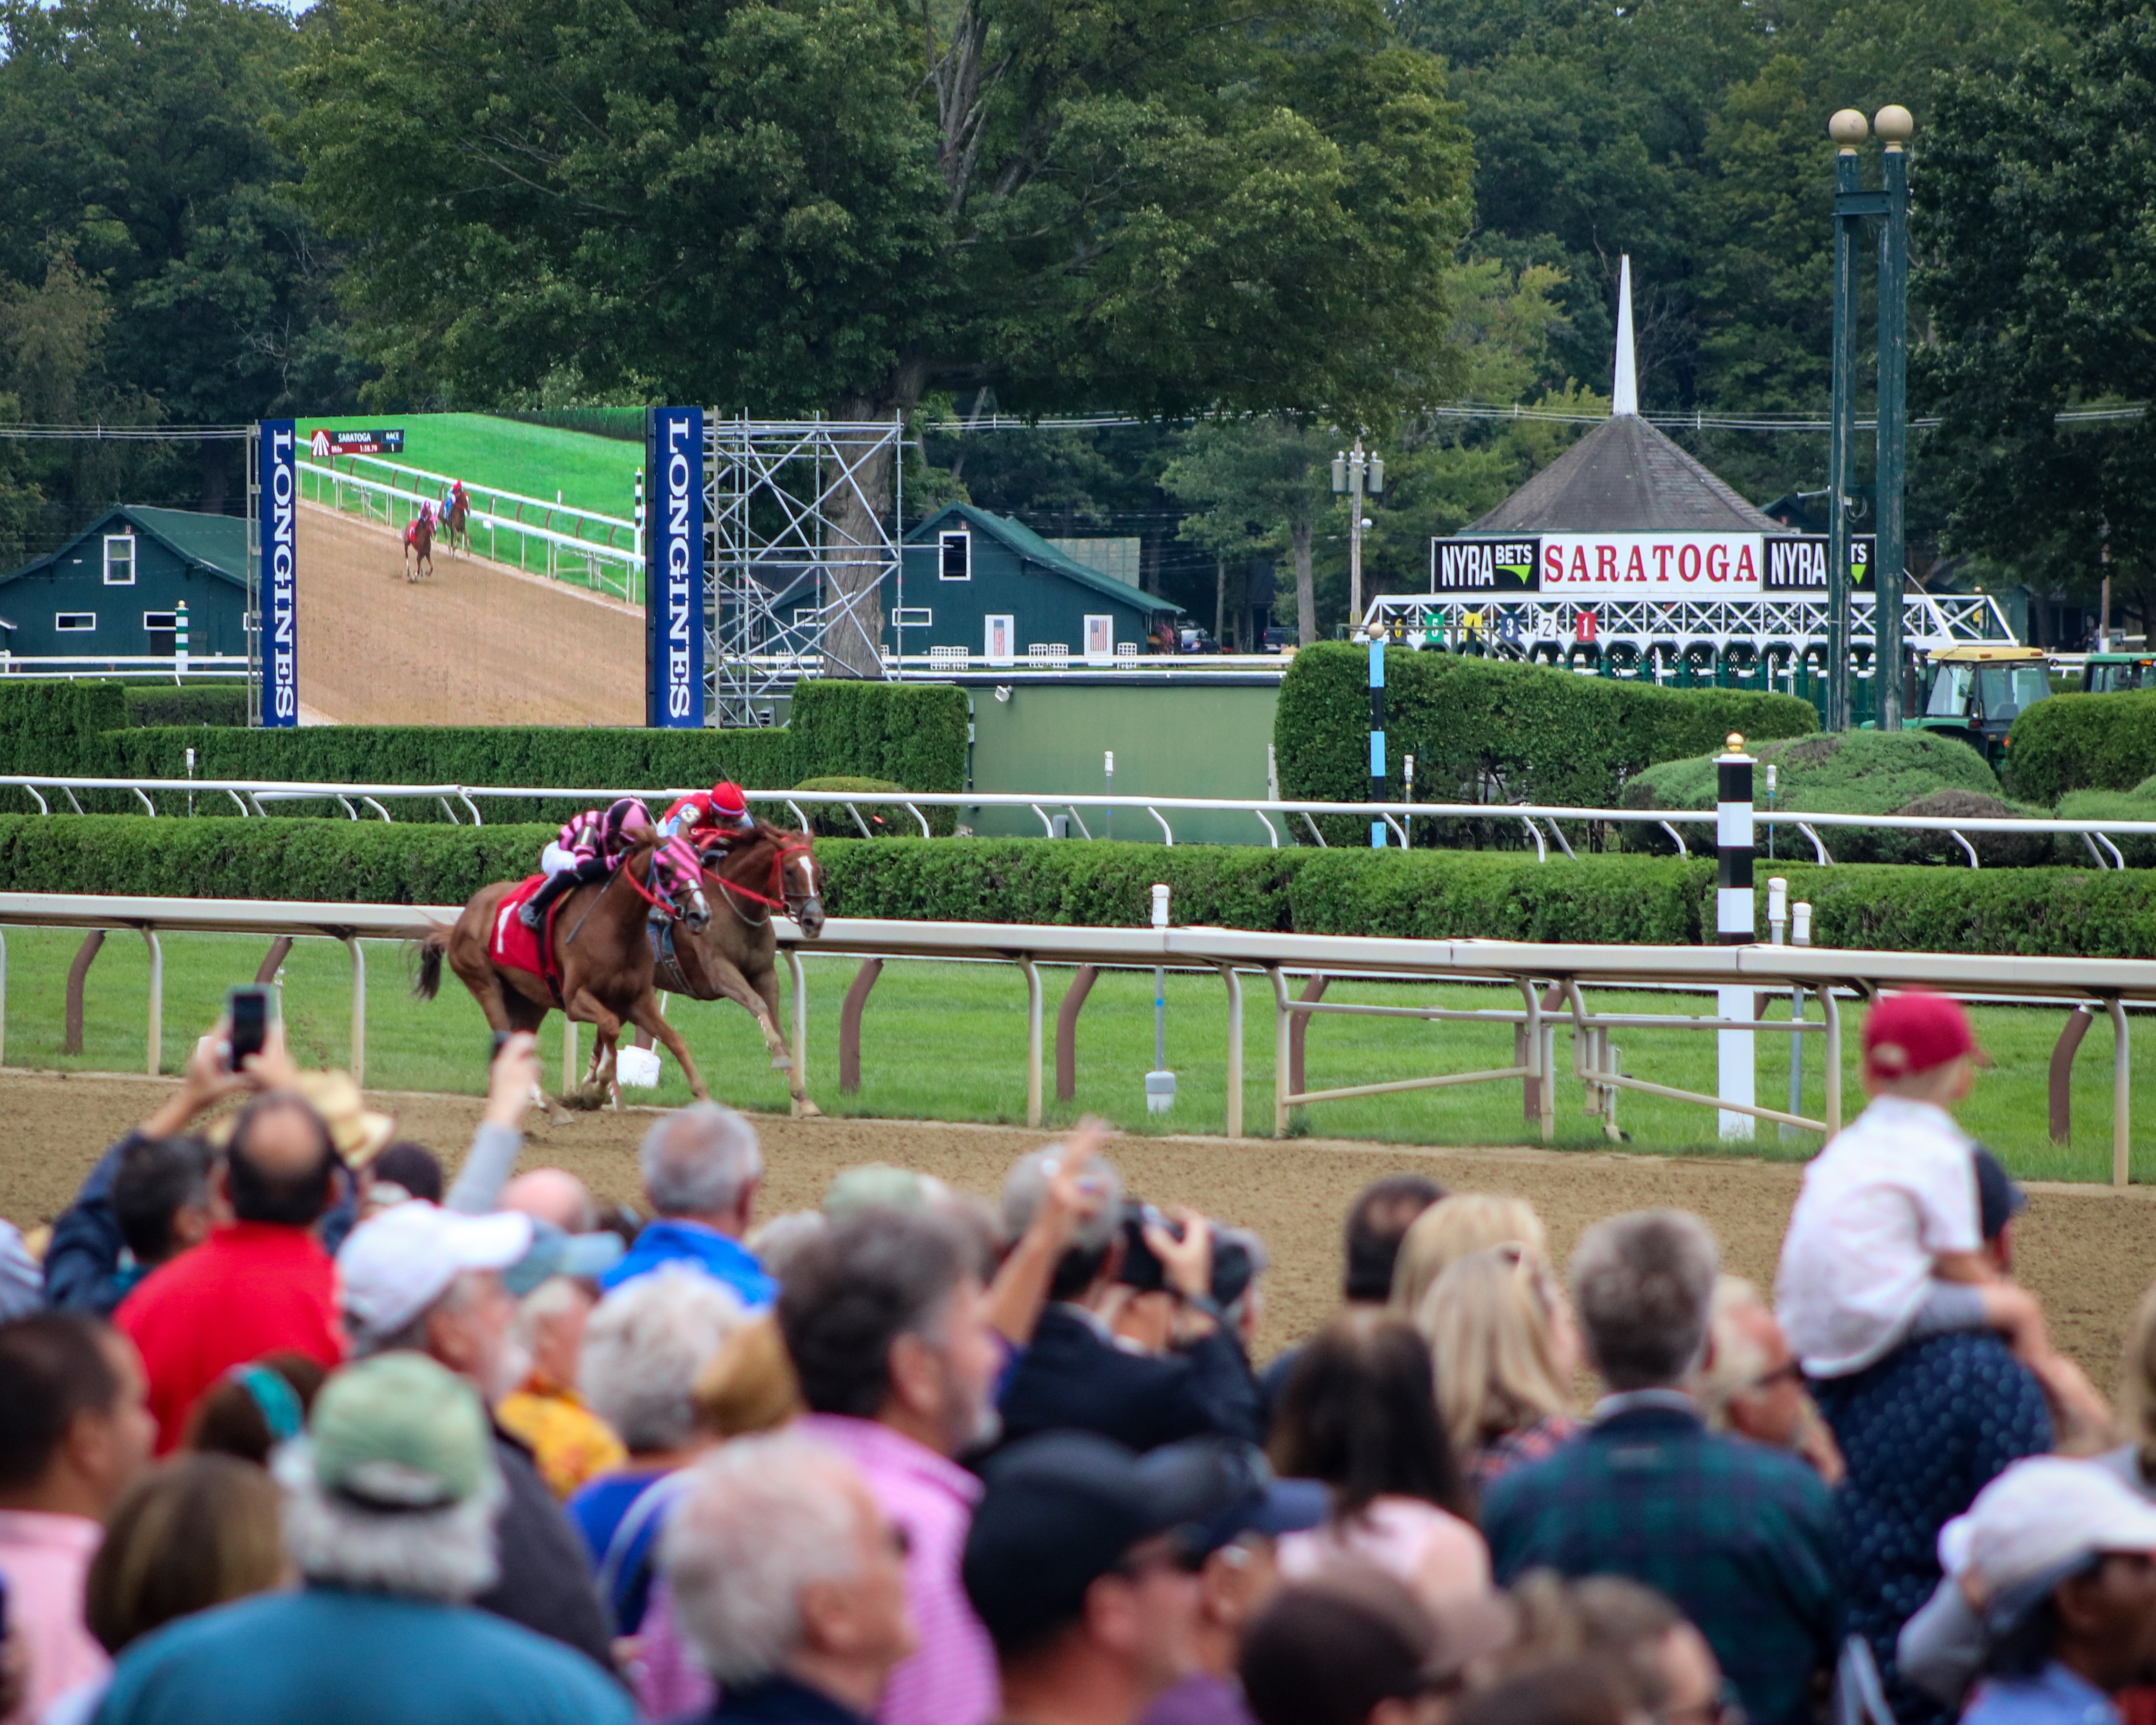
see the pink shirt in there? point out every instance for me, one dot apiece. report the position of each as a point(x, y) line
point(951, 1679)
point(45, 1558)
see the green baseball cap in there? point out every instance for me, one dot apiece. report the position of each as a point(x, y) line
point(400, 1432)
point(876, 1185)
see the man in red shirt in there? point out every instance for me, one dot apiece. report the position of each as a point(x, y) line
point(260, 1282)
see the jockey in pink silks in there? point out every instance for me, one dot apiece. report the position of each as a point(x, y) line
point(588, 849)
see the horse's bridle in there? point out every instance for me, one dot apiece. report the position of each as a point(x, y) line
point(782, 851)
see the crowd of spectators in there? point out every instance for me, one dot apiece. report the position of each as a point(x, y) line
point(294, 1427)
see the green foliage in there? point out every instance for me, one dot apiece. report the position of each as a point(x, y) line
point(2074, 743)
point(215, 704)
point(1409, 894)
point(1915, 772)
point(337, 862)
point(55, 727)
point(886, 819)
point(2042, 275)
point(911, 734)
point(818, 205)
point(1486, 730)
point(1441, 895)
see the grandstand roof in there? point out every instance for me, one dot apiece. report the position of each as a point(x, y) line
point(1625, 477)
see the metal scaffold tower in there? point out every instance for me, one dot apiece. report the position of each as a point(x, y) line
point(801, 524)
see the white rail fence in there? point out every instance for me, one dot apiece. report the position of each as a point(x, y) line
point(1540, 973)
point(582, 552)
point(1541, 823)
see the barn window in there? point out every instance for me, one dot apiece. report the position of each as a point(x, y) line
point(154, 620)
point(119, 560)
point(956, 550)
point(75, 622)
point(913, 617)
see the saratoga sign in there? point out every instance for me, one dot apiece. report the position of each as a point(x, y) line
point(1639, 565)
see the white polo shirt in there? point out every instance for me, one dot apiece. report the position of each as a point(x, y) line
point(1897, 1188)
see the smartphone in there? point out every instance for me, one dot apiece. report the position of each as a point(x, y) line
point(248, 1009)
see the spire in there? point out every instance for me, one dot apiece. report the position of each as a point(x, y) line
point(1625, 398)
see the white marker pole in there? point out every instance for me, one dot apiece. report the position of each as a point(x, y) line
point(1734, 927)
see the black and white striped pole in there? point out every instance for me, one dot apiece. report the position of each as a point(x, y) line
point(1734, 927)
point(1377, 730)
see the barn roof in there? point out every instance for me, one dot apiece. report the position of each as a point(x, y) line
point(215, 543)
point(1031, 546)
point(1625, 477)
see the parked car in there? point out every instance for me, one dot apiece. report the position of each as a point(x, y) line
point(1195, 640)
point(1277, 640)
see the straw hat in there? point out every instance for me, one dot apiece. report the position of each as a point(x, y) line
point(360, 1133)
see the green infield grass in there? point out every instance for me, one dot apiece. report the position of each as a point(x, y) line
point(596, 472)
point(947, 1040)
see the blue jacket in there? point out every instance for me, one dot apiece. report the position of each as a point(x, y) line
point(1074, 1377)
point(83, 1271)
point(671, 1240)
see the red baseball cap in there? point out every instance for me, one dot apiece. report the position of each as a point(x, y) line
point(1908, 1034)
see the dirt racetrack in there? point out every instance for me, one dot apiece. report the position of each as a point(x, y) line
point(2089, 1252)
point(478, 644)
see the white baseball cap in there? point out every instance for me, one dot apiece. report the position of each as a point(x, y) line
point(2040, 1520)
point(396, 1264)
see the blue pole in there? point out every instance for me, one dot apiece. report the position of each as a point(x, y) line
point(1377, 736)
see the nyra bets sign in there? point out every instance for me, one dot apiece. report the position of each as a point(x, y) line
point(1650, 565)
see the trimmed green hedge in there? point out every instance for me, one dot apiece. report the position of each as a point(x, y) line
point(2074, 743)
point(1430, 895)
point(915, 735)
point(1918, 772)
point(215, 704)
point(1491, 729)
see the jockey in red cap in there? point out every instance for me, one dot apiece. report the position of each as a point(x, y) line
point(722, 811)
point(587, 850)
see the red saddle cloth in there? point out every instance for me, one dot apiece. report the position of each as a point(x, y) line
point(520, 948)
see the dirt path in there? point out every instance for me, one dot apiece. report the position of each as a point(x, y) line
point(478, 644)
point(2089, 1252)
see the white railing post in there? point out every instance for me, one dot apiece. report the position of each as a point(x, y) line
point(359, 1009)
point(157, 1032)
point(1234, 1049)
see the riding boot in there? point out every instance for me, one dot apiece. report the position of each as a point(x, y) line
point(533, 913)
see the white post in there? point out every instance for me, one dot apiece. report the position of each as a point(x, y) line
point(156, 1037)
point(1032, 972)
point(180, 641)
point(800, 981)
point(2122, 1073)
point(1160, 1082)
point(1234, 1049)
point(568, 1052)
point(358, 1010)
point(4, 997)
point(1734, 926)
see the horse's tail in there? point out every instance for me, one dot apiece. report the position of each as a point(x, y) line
point(429, 979)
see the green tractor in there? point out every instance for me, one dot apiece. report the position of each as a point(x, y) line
point(1974, 691)
point(2114, 672)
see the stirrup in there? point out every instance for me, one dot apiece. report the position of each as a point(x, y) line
point(530, 914)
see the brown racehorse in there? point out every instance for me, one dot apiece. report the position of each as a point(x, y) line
point(419, 547)
point(734, 957)
point(599, 947)
point(456, 524)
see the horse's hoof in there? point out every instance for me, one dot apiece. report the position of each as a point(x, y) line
point(806, 1110)
point(585, 1097)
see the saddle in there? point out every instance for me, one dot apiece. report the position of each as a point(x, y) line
point(517, 947)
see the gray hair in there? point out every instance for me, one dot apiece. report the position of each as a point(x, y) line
point(698, 1159)
point(557, 1297)
point(778, 1241)
point(645, 1343)
point(1643, 1283)
point(765, 1517)
point(1736, 1361)
point(411, 1336)
point(1026, 1185)
point(444, 1554)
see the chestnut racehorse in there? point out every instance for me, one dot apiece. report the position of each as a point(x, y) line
point(456, 524)
point(419, 547)
point(735, 956)
point(599, 947)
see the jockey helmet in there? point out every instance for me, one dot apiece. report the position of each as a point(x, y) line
point(626, 820)
point(727, 799)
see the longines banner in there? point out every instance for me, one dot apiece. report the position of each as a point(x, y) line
point(278, 593)
point(1645, 565)
point(674, 568)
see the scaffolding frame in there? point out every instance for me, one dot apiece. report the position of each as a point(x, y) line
point(773, 494)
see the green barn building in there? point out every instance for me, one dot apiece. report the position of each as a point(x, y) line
point(115, 589)
point(985, 584)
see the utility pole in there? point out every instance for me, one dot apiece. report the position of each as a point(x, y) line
point(1354, 474)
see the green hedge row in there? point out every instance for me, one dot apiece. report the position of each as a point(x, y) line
point(911, 734)
point(1428, 895)
point(1485, 729)
point(214, 704)
point(2075, 743)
